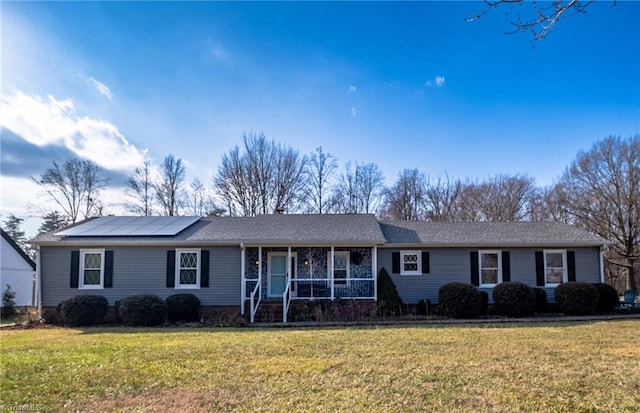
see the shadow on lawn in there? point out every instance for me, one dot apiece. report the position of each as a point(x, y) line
point(509, 323)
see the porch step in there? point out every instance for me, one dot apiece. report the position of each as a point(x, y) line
point(268, 312)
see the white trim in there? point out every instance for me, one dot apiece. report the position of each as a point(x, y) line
point(243, 279)
point(288, 255)
point(374, 271)
point(418, 270)
point(602, 263)
point(81, 269)
point(499, 259)
point(38, 283)
point(178, 285)
point(564, 267)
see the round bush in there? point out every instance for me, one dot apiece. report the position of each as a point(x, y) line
point(459, 300)
point(607, 297)
point(484, 303)
point(541, 299)
point(83, 310)
point(513, 299)
point(423, 307)
point(183, 307)
point(577, 298)
point(142, 310)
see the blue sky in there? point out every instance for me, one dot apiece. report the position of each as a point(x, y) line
point(402, 85)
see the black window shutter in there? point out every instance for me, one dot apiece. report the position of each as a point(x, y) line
point(475, 270)
point(75, 269)
point(171, 269)
point(571, 265)
point(425, 262)
point(539, 269)
point(108, 269)
point(395, 263)
point(204, 268)
point(506, 266)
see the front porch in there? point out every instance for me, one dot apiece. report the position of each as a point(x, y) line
point(294, 273)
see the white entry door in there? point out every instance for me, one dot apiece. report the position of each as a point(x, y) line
point(277, 272)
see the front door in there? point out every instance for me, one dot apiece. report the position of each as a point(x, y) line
point(277, 272)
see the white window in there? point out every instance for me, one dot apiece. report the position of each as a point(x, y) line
point(490, 268)
point(91, 269)
point(555, 267)
point(340, 266)
point(410, 262)
point(188, 268)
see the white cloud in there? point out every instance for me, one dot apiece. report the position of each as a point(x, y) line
point(438, 81)
point(55, 122)
point(102, 88)
point(352, 89)
point(354, 111)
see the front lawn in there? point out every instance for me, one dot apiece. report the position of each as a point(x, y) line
point(573, 367)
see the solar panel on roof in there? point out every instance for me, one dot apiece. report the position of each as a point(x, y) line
point(129, 226)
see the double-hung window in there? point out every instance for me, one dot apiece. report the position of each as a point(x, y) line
point(340, 267)
point(410, 262)
point(188, 268)
point(555, 267)
point(91, 269)
point(490, 267)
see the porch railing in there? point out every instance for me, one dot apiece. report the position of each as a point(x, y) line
point(286, 300)
point(325, 288)
point(254, 305)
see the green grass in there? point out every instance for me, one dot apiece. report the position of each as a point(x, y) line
point(575, 367)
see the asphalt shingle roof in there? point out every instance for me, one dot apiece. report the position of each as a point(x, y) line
point(354, 229)
point(276, 229)
point(486, 234)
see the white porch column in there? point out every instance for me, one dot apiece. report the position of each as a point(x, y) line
point(260, 269)
point(330, 266)
point(288, 267)
point(374, 269)
point(243, 278)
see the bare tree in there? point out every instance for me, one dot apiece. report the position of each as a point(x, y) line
point(200, 201)
point(169, 186)
point(500, 198)
point(405, 200)
point(265, 177)
point(443, 199)
point(539, 17)
point(140, 188)
point(601, 190)
point(359, 191)
point(75, 187)
point(320, 170)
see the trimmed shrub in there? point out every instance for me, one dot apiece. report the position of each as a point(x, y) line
point(459, 300)
point(541, 299)
point(484, 303)
point(83, 310)
point(142, 310)
point(577, 298)
point(513, 299)
point(607, 297)
point(183, 307)
point(389, 301)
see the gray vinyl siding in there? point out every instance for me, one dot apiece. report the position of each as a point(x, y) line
point(454, 265)
point(139, 270)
